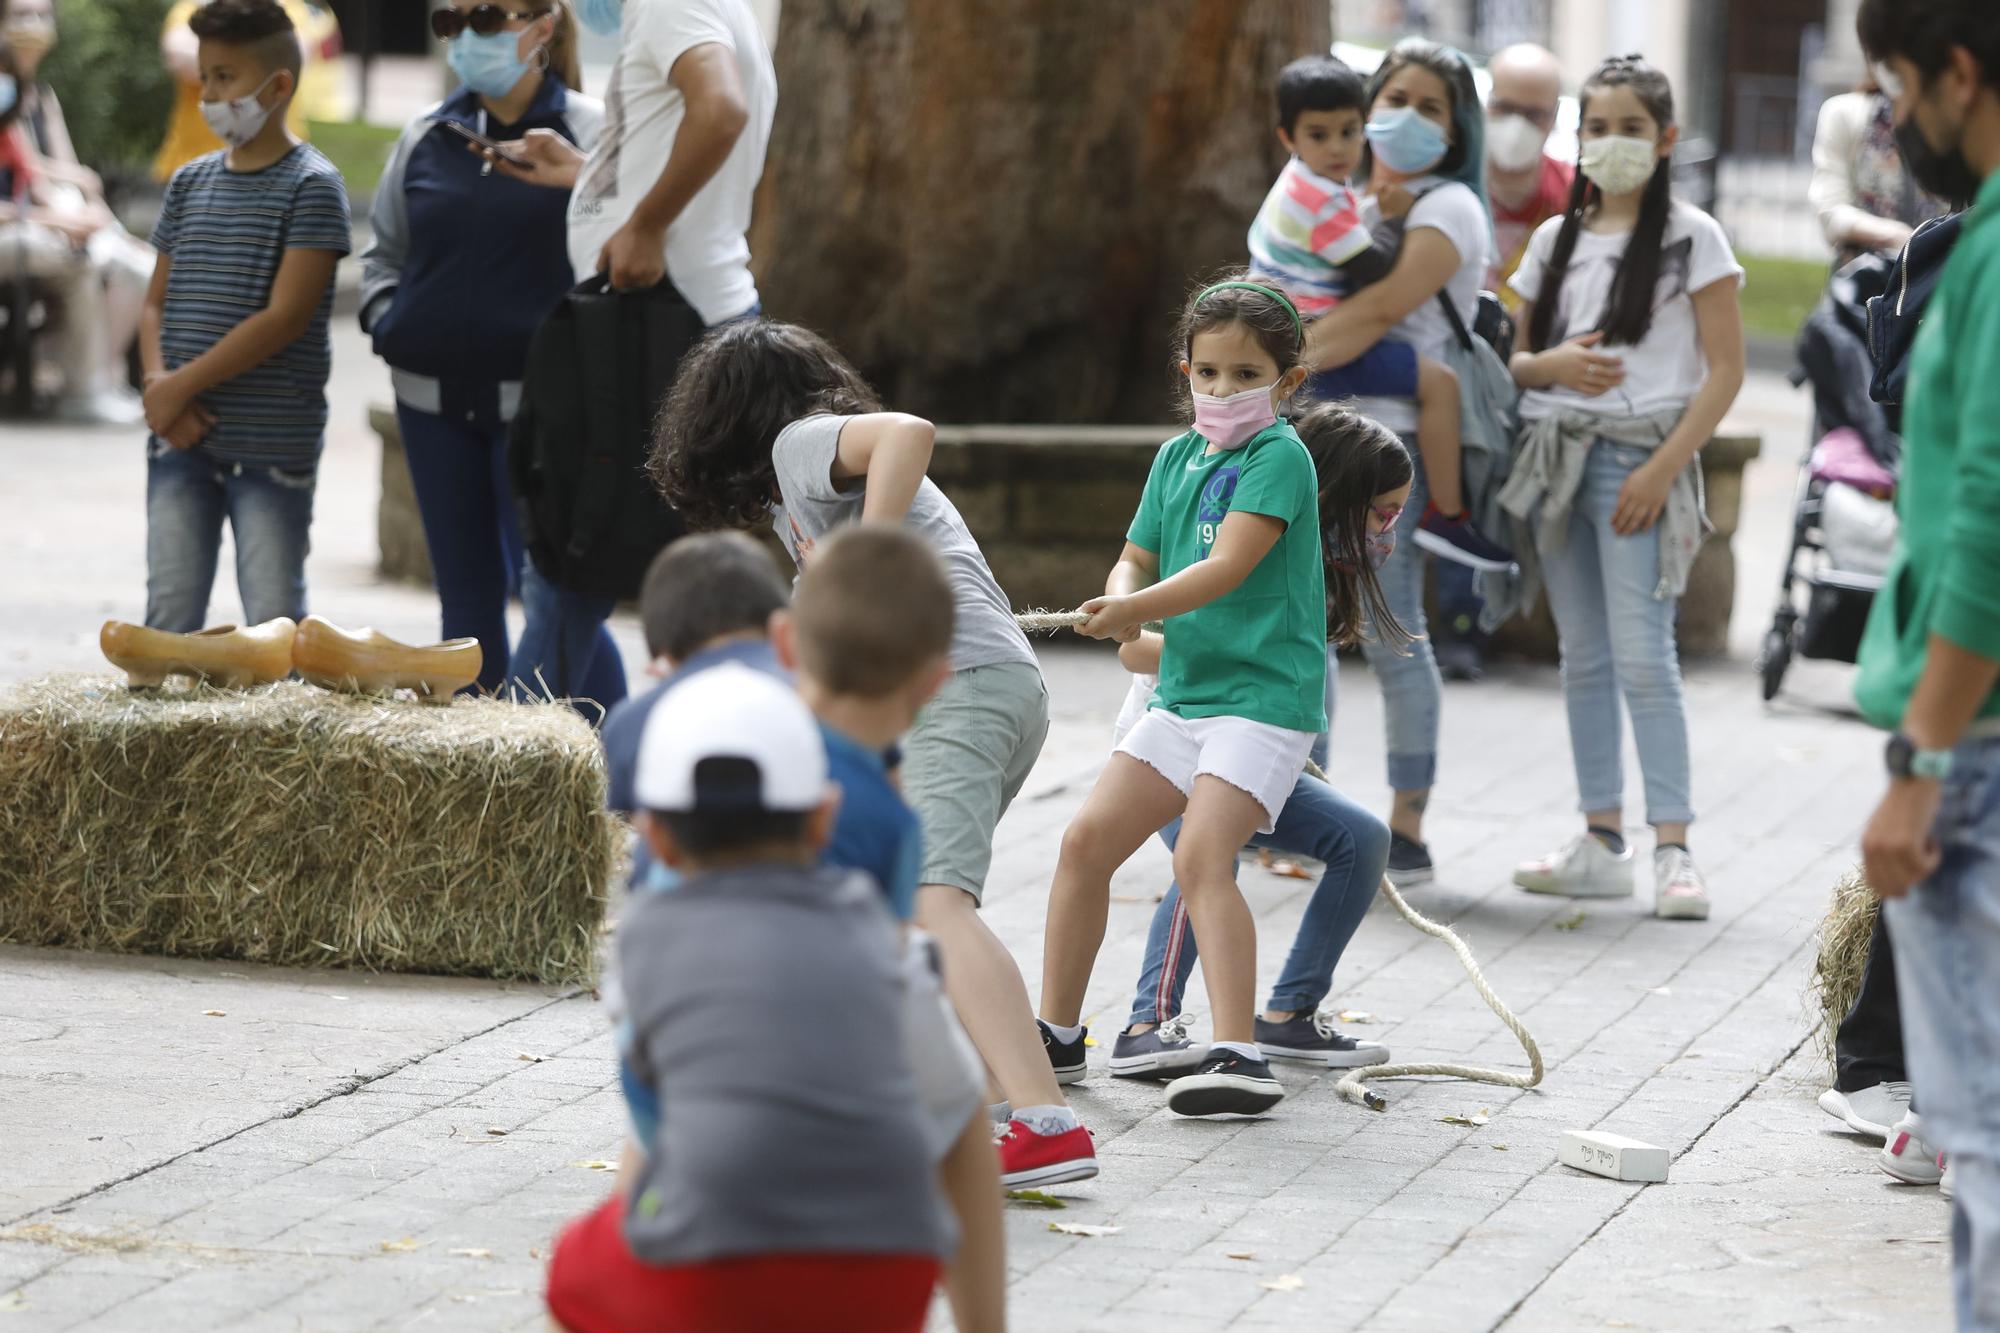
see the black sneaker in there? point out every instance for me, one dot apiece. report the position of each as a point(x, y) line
point(1166, 1050)
point(1313, 1038)
point(1459, 658)
point(1067, 1058)
point(1225, 1084)
point(1409, 862)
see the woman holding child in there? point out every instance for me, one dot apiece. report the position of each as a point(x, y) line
point(1425, 152)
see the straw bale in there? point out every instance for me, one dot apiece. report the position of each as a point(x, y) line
point(291, 825)
point(1843, 953)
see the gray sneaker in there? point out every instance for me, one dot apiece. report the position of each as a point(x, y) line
point(1166, 1050)
point(1409, 862)
point(1871, 1111)
point(1314, 1039)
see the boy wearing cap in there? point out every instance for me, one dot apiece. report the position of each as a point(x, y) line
point(780, 1194)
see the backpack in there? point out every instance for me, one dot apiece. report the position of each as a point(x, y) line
point(1489, 426)
point(1894, 315)
point(576, 452)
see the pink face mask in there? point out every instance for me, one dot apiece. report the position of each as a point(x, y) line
point(1230, 423)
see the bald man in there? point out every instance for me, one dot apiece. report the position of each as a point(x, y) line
point(1524, 186)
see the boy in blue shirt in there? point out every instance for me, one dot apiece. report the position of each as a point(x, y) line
point(233, 336)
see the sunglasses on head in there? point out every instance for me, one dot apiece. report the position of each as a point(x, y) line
point(482, 19)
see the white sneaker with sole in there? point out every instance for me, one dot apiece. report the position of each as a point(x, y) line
point(1679, 892)
point(1871, 1111)
point(1583, 868)
point(1909, 1156)
point(1949, 1178)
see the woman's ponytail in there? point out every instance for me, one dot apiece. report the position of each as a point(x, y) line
point(562, 47)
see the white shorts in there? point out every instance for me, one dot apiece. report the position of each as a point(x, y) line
point(1253, 757)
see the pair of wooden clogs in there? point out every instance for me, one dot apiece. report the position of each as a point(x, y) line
point(360, 662)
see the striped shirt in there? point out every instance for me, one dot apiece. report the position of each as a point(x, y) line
point(225, 233)
point(1307, 228)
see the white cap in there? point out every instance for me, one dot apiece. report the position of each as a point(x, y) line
point(731, 712)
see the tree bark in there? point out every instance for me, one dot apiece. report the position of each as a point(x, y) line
point(996, 208)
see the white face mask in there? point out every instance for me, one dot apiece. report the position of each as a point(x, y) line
point(1514, 143)
point(238, 121)
point(1617, 164)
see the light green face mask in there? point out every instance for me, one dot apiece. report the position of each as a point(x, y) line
point(1618, 164)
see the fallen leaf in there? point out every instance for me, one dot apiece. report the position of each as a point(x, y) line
point(213, 1013)
point(496, 1131)
point(1469, 1121)
point(536, 1252)
point(1036, 1198)
point(1090, 1041)
point(1572, 921)
point(403, 1246)
point(13, 1303)
point(1240, 1254)
point(596, 1164)
point(1083, 1229)
point(471, 1252)
point(531, 1059)
point(1355, 1016)
point(1499, 1147)
point(1287, 1282)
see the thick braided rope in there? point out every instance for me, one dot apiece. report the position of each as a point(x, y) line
point(1354, 1086)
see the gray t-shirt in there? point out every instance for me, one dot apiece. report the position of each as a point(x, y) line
point(766, 1006)
point(811, 505)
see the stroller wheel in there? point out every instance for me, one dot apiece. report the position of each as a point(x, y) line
point(1773, 662)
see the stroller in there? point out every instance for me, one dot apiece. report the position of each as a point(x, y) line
point(1843, 522)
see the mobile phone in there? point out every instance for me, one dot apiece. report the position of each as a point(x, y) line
point(474, 137)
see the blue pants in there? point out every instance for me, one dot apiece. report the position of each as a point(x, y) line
point(1412, 689)
point(1618, 640)
point(1946, 935)
point(565, 651)
point(269, 510)
point(1319, 822)
point(459, 472)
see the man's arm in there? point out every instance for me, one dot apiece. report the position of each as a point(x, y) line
point(716, 112)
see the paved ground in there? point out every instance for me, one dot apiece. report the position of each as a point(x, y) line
point(322, 1153)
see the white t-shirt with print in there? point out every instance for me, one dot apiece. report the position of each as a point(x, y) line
point(708, 255)
point(1453, 210)
point(1667, 368)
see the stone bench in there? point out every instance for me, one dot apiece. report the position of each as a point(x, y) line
point(1050, 505)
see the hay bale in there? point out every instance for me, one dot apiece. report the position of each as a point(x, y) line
point(1843, 953)
point(291, 825)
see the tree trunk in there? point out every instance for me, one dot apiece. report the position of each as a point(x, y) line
point(996, 208)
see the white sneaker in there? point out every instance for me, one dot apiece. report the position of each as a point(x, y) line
point(1908, 1156)
point(1950, 1176)
point(1871, 1111)
point(1679, 893)
point(103, 407)
point(1583, 868)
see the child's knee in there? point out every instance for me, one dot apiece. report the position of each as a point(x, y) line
point(1201, 869)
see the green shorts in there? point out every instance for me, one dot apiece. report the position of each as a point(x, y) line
point(966, 761)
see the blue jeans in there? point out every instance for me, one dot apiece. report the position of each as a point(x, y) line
point(188, 495)
point(1946, 935)
point(459, 472)
point(1319, 822)
point(1618, 639)
point(565, 650)
point(1412, 690)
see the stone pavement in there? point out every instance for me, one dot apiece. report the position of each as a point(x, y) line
point(336, 1151)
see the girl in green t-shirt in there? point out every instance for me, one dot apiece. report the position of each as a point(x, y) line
point(1226, 552)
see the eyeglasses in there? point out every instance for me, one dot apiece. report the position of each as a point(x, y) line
point(1541, 117)
point(1387, 515)
point(483, 19)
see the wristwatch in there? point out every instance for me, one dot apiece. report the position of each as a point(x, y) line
point(1907, 760)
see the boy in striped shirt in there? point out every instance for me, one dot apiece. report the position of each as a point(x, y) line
point(234, 333)
point(1312, 239)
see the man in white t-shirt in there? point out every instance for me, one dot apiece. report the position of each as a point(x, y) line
point(667, 191)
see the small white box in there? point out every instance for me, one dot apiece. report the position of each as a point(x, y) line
point(1610, 1155)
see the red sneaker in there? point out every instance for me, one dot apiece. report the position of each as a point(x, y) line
point(1029, 1159)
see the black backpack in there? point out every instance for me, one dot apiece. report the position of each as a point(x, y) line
point(576, 453)
point(1894, 315)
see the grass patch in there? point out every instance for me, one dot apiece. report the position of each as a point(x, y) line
point(359, 149)
point(1778, 294)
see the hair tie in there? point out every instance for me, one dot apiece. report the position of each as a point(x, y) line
point(1298, 324)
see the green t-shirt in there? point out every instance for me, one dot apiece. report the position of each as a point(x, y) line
point(1260, 651)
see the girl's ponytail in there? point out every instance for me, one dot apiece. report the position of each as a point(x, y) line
point(1357, 459)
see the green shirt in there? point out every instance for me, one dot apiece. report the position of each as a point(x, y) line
point(1259, 651)
point(1945, 577)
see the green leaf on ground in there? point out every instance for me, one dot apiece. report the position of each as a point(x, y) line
point(1035, 1199)
point(1572, 921)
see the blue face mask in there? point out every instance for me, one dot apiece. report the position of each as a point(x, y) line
point(487, 64)
point(601, 16)
point(9, 91)
point(1405, 141)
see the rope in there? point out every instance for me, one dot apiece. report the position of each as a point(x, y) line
point(1354, 1086)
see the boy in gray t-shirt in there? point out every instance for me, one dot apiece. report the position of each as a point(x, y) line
point(793, 1182)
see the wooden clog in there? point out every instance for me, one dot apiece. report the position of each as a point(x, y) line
point(366, 662)
point(224, 655)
